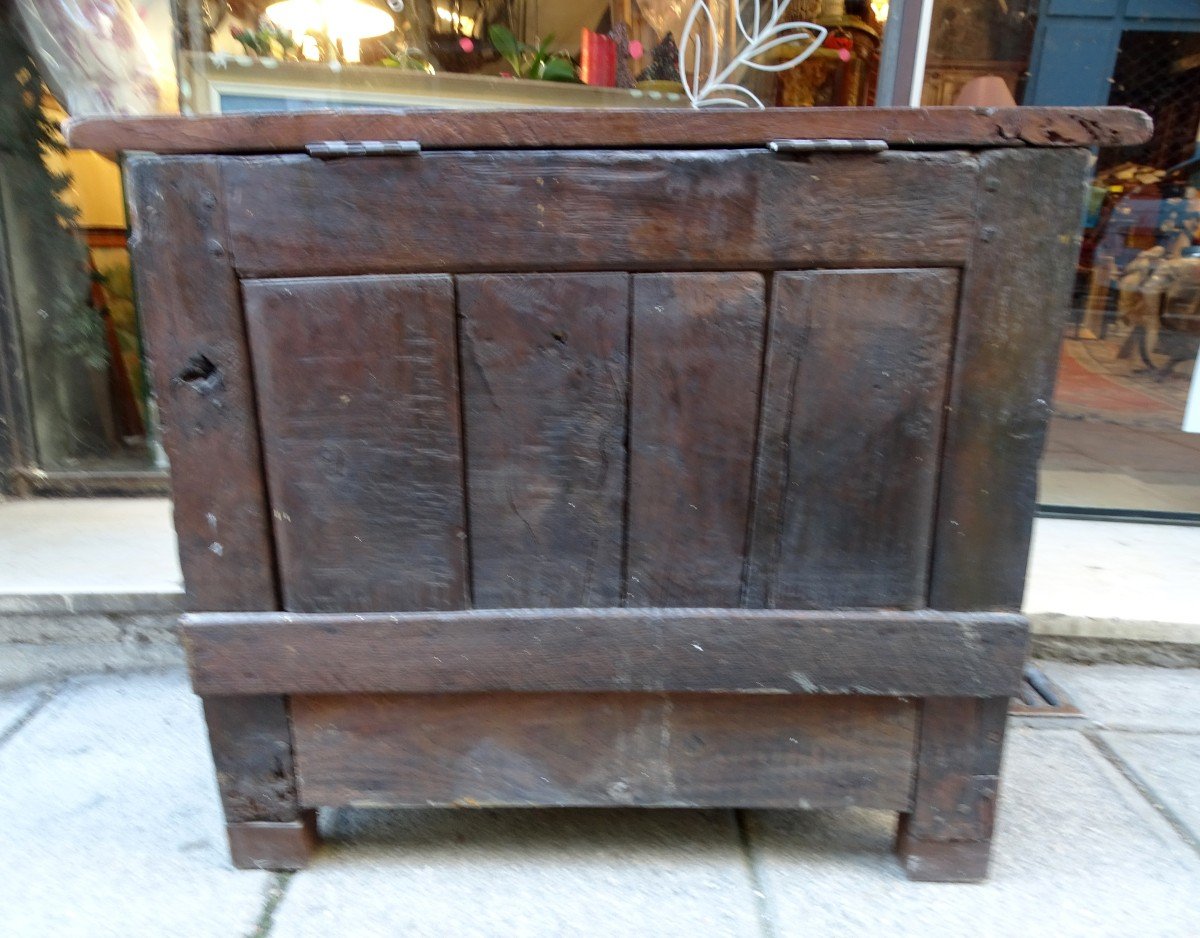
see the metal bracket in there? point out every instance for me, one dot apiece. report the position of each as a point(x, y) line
point(827, 146)
point(339, 149)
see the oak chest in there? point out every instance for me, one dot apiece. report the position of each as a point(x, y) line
point(578, 458)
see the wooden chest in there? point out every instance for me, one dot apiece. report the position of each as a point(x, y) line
point(679, 459)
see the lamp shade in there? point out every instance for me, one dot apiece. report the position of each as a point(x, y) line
point(348, 20)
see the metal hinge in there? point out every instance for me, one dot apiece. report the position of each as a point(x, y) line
point(338, 149)
point(827, 146)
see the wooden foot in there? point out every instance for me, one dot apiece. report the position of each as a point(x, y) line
point(947, 836)
point(252, 752)
point(931, 861)
point(273, 845)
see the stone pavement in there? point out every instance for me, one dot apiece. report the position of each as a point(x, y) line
point(111, 827)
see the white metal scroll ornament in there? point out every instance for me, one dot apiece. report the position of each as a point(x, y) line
point(701, 42)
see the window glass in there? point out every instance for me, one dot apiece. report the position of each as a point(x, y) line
point(292, 54)
point(1117, 439)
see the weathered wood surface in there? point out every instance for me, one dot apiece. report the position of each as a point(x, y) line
point(434, 129)
point(686, 750)
point(947, 835)
point(727, 650)
point(598, 210)
point(1014, 296)
point(274, 845)
point(200, 366)
point(358, 390)
point(545, 374)
point(251, 748)
point(191, 316)
point(697, 359)
point(851, 431)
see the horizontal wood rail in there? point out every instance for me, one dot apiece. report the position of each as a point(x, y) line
point(881, 653)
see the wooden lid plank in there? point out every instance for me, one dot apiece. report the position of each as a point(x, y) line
point(563, 128)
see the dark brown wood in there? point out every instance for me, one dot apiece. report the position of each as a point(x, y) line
point(545, 376)
point(252, 753)
point(958, 779)
point(728, 650)
point(599, 210)
point(697, 359)
point(274, 845)
point(688, 750)
point(192, 324)
point(533, 371)
point(960, 861)
point(435, 129)
point(1014, 290)
point(358, 386)
point(851, 430)
point(195, 342)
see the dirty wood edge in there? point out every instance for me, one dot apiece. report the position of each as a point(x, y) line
point(199, 361)
point(586, 650)
point(449, 129)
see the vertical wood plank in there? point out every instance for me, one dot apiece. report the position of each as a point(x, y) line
point(697, 361)
point(545, 373)
point(947, 835)
point(252, 760)
point(358, 386)
point(852, 419)
point(1014, 295)
point(195, 341)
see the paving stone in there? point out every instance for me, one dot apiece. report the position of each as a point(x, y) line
point(524, 872)
point(88, 545)
point(111, 820)
point(25, 663)
point(1078, 853)
point(1168, 764)
point(1114, 570)
point(15, 703)
point(1121, 696)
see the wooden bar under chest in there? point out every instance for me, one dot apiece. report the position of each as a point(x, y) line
point(613, 458)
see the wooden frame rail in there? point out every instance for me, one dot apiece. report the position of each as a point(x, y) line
point(754, 651)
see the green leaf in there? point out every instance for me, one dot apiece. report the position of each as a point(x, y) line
point(559, 70)
point(506, 44)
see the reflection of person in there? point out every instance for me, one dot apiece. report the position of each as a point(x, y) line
point(1138, 308)
point(1176, 283)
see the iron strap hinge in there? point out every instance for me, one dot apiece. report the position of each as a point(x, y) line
point(339, 149)
point(827, 146)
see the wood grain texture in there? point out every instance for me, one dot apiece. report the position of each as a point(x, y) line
point(358, 387)
point(852, 421)
point(599, 210)
point(191, 318)
point(947, 835)
point(1014, 294)
point(697, 360)
point(251, 747)
point(912, 127)
point(274, 845)
point(726, 650)
point(605, 749)
point(545, 376)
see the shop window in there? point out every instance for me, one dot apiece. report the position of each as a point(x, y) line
point(70, 314)
point(1117, 438)
point(976, 39)
point(294, 54)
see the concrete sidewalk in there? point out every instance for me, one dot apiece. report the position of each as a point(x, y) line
point(112, 828)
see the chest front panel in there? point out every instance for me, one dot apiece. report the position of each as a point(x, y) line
point(602, 438)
